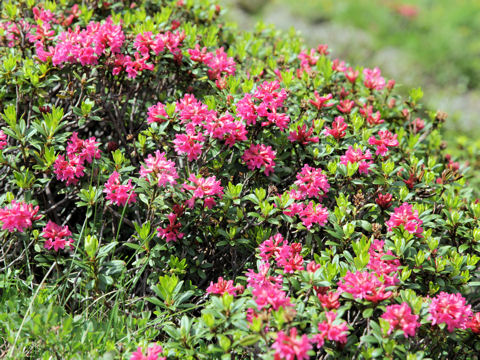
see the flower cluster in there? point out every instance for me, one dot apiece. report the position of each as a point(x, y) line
point(153, 353)
point(223, 286)
point(311, 183)
point(258, 156)
point(204, 189)
point(450, 309)
point(338, 129)
point(387, 139)
point(18, 216)
point(405, 216)
point(357, 156)
point(264, 105)
point(57, 236)
point(158, 168)
point(291, 347)
point(119, 194)
point(401, 317)
point(172, 231)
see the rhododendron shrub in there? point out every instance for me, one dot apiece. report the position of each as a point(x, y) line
point(176, 189)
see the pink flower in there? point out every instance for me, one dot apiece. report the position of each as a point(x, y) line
point(321, 102)
point(222, 286)
point(289, 257)
point(162, 170)
point(401, 317)
point(290, 347)
point(450, 309)
point(153, 353)
point(189, 144)
point(144, 43)
point(384, 200)
point(226, 128)
point(172, 231)
point(312, 182)
point(157, 113)
point(329, 300)
point(19, 216)
point(313, 214)
point(373, 79)
point(363, 285)
point(204, 188)
point(345, 106)
point(387, 269)
point(3, 139)
point(338, 128)
point(302, 136)
point(271, 247)
point(85, 150)
point(219, 63)
point(372, 118)
point(199, 55)
point(357, 156)
point(119, 194)
point(57, 236)
point(331, 330)
point(260, 155)
point(68, 170)
point(406, 216)
point(474, 323)
point(351, 74)
point(387, 139)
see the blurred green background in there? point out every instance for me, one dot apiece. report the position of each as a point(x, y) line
point(434, 44)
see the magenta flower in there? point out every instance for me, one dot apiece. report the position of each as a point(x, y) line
point(401, 317)
point(363, 285)
point(450, 309)
point(204, 189)
point(223, 286)
point(260, 155)
point(474, 323)
point(291, 347)
point(3, 139)
point(289, 258)
point(406, 216)
point(372, 79)
point(57, 236)
point(332, 330)
point(219, 63)
point(303, 136)
point(345, 106)
point(357, 156)
point(160, 169)
point(156, 113)
point(85, 150)
point(313, 214)
point(68, 170)
point(351, 74)
point(19, 216)
point(387, 269)
point(172, 231)
point(226, 128)
point(311, 183)
point(387, 139)
point(119, 194)
point(321, 102)
point(189, 144)
point(153, 353)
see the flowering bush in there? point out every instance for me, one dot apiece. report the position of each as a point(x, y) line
point(176, 189)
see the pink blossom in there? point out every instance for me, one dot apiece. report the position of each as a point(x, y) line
point(219, 63)
point(345, 106)
point(303, 136)
point(357, 156)
point(223, 286)
point(199, 55)
point(406, 216)
point(162, 170)
point(312, 182)
point(260, 155)
point(450, 309)
point(387, 269)
point(144, 43)
point(338, 128)
point(172, 231)
point(19, 216)
point(329, 300)
point(384, 200)
point(226, 128)
point(68, 170)
point(313, 214)
point(204, 188)
point(373, 79)
point(189, 144)
point(119, 194)
point(156, 113)
point(321, 102)
point(387, 139)
point(474, 323)
point(401, 317)
point(271, 247)
point(85, 150)
point(372, 118)
point(363, 285)
point(338, 65)
point(153, 353)
point(57, 236)
point(332, 330)
point(289, 257)
point(351, 74)
point(3, 139)
point(291, 347)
